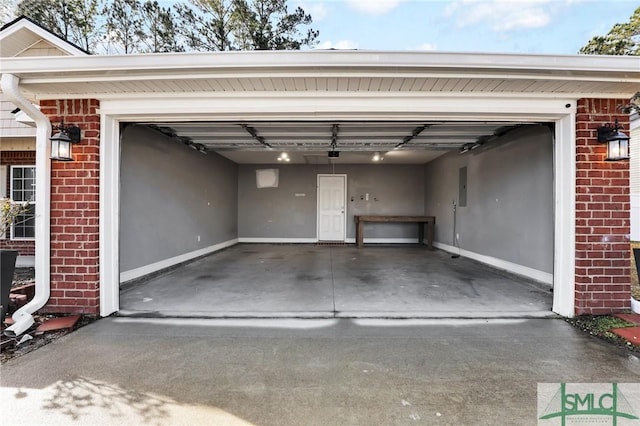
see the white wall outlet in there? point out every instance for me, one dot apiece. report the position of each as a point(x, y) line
point(198, 238)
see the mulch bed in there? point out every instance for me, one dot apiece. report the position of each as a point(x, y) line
point(15, 347)
point(12, 348)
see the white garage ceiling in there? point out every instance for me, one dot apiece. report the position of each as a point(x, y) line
point(357, 142)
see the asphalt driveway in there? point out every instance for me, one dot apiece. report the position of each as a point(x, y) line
point(304, 372)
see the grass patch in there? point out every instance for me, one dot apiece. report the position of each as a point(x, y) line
point(599, 326)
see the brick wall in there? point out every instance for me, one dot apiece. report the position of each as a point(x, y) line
point(603, 270)
point(75, 212)
point(17, 158)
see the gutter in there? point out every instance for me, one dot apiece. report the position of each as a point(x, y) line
point(23, 318)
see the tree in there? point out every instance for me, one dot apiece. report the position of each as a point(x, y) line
point(124, 25)
point(622, 39)
point(217, 25)
point(7, 11)
point(633, 105)
point(208, 25)
point(73, 20)
point(268, 25)
point(130, 26)
point(158, 29)
point(87, 31)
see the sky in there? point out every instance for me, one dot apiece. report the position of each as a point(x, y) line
point(555, 27)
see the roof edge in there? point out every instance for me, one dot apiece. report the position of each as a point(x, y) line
point(26, 22)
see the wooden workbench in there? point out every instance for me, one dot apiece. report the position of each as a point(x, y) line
point(430, 221)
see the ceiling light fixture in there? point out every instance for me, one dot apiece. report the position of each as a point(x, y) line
point(198, 147)
point(377, 157)
point(469, 146)
point(284, 157)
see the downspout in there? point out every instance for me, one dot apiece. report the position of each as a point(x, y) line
point(23, 318)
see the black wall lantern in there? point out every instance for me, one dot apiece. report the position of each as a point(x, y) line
point(61, 142)
point(617, 142)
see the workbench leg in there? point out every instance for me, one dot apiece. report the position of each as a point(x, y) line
point(420, 233)
point(359, 234)
point(430, 234)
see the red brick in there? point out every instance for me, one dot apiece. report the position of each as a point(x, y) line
point(75, 212)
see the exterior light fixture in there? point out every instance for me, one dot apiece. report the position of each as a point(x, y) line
point(284, 157)
point(61, 142)
point(617, 142)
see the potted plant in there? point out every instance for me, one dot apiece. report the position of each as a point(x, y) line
point(9, 211)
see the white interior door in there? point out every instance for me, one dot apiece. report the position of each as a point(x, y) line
point(332, 201)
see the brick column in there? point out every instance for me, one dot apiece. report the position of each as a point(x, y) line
point(603, 269)
point(75, 286)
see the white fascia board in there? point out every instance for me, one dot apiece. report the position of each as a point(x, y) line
point(318, 60)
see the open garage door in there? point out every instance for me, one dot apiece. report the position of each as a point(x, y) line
point(189, 189)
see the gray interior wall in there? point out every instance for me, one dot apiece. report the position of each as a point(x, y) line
point(279, 213)
point(509, 212)
point(173, 199)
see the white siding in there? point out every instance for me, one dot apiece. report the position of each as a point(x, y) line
point(9, 127)
point(42, 48)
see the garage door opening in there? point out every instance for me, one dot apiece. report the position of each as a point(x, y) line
point(479, 179)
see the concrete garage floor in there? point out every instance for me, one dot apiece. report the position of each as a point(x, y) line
point(262, 280)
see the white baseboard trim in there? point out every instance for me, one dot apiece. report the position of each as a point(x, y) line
point(25, 261)
point(385, 240)
point(268, 240)
point(132, 274)
point(514, 268)
point(635, 305)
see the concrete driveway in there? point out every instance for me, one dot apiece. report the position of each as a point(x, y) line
point(303, 372)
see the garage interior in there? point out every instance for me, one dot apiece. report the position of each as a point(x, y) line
point(192, 187)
